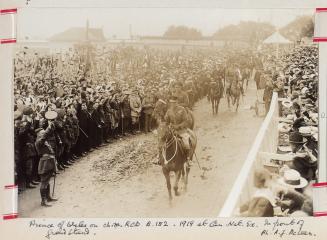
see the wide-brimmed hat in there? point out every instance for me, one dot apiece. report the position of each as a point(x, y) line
point(50, 115)
point(287, 103)
point(293, 179)
point(17, 114)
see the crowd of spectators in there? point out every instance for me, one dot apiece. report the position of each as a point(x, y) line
point(284, 184)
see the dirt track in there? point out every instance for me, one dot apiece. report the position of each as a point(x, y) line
point(119, 179)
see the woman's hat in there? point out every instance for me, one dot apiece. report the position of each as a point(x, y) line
point(17, 114)
point(50, 115)
point(293, 179)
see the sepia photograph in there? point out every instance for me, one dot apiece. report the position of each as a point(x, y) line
point(165, 112)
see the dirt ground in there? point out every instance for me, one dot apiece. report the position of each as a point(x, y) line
point(119, 179)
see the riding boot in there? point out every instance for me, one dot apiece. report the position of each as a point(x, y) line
point(49, 198)
point(43, 193)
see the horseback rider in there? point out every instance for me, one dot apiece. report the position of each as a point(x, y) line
point(177, 117)
point(233, 75)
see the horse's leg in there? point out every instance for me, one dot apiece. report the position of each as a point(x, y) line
point(166, 174)
point(184, 172)
point(233, 100)
point(187, 171)
point(212, 105)
point(237, 102)
point(216, 105)
point(228, 101)
point(177, 178)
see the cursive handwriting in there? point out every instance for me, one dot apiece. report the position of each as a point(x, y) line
point(281, 227)
point(278, 227)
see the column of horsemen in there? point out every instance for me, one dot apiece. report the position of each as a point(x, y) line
point(61, 115)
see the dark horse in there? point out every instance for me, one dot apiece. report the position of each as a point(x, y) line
point(173, 157)
point(246, 75)
point(215, 94)
point(234, 94)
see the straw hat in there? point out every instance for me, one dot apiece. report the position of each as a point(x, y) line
point(287, 103)
point(293, 179)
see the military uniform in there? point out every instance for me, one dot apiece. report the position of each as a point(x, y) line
point(45, 146)
point(177, 117)
point(136, 107)
point(84, 124)
point(116, 116)
point(148, 107)
point(125, 114)
point(60, 138)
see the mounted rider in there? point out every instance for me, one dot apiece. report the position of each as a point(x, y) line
point(177, 118)
point(233, 74)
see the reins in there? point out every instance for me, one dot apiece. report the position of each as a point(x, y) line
point(168, 144)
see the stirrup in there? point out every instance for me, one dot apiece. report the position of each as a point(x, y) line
point(189, 163)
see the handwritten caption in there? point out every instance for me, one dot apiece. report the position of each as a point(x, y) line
point(279, 227)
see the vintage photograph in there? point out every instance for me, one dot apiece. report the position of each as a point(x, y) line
point(165, 112)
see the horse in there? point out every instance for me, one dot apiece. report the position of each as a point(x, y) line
point(215, 94)
point(234, 94)
point(173, 157)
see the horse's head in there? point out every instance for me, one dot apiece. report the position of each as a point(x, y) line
point(165, 131)
point(160, 109)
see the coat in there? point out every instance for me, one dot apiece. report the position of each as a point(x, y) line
point(126, 108)
point(27, 140)
point(135, 105)
point(46, 149)
point(148, 104)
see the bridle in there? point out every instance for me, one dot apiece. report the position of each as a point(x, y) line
point(168, 144)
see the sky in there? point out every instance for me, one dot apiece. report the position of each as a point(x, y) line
point(42, 23)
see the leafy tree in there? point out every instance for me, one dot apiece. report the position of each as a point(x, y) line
point(249, 31)
point(182, 32)
point(301, 27)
